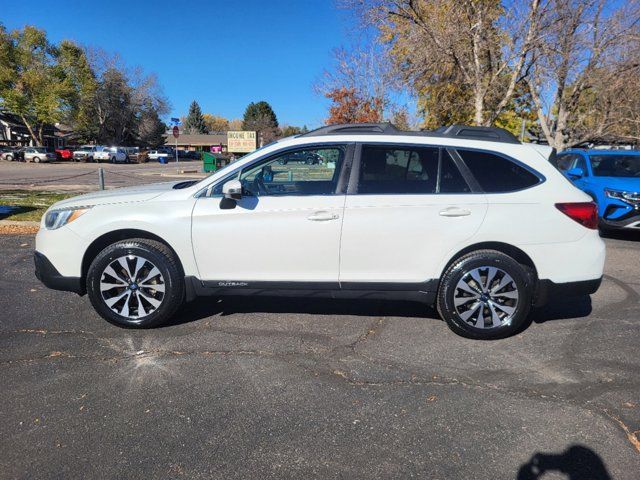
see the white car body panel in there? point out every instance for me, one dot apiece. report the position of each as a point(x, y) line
point(401, 238)
point(297, 238)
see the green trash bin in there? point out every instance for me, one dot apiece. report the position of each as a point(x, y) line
point(208, 162)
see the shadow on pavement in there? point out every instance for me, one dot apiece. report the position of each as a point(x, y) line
point(204, 307)
point(576, 463)
point(561, 308)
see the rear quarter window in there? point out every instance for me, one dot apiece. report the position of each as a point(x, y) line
point(496, 174)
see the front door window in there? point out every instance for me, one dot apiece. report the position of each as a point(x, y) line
point(300, 172)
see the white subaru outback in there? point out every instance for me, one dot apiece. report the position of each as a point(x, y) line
point(464, 218)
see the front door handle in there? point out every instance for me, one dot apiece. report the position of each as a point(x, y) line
point(323, 216)
point(455, 212)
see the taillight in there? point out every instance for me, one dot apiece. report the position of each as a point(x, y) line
point(585, 213)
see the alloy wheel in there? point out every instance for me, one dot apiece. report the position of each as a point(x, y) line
point(486, 297)
point(132, 286)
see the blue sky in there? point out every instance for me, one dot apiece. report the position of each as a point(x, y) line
point(224, 54)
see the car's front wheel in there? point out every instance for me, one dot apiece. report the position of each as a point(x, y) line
point(485, 294)
point(136, 283)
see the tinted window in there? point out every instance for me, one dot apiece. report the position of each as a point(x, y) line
point(451, 180)
point(496, 174)
point(565, 162)
point(312, 171)
point(580, 163)
point(385, 169)
point(615, 165)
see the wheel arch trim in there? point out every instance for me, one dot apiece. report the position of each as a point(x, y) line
point(108, 238)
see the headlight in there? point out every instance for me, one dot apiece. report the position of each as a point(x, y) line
point(58, 218)
point(628, 197)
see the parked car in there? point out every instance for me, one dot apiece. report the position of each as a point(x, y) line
point(132, 153)
point(464, 218)
point(611, 178)
point(111, 154)
point(65, 153)
point(37, 154)
point(12, 154)
point(308, 158)
point(86, 153)
point(157, 154)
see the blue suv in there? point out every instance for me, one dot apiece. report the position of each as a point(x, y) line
point(611, 178)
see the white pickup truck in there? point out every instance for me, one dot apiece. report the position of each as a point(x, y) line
point(158, 154)
point(112, 154)
point(87, 153)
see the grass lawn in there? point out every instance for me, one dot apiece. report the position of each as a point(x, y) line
point(27, 205)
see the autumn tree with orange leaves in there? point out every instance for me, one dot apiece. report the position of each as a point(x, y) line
point(350, 107)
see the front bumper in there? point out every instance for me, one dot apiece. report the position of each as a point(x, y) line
point(50, 277)
point(631, 222)
point(547, 290)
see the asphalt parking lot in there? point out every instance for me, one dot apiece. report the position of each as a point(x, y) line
point(80, 177)
point(286, 388)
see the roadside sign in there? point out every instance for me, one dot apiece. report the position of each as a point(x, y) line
point(176, 132)
point(241, 141)
point(175, 121)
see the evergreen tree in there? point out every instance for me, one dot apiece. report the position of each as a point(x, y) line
point(195, 120)
point(260, 117)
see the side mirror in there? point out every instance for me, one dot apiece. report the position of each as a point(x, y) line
point(232, 189)
point(575, 173)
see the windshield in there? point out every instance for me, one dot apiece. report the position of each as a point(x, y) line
point(615, 165)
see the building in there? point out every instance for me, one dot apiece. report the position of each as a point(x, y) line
point(215, 143)
point(14, 133)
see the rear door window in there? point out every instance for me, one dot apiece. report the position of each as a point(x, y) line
point(395, 169)
point(497, 174)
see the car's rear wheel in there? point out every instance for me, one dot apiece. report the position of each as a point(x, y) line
point(485, 294)
point(136, 283)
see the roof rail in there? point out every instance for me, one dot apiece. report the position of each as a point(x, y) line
point(380, 128)
point(492, 134)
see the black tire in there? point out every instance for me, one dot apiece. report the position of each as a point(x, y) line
point(524, 281)
point(161, 257)
point(9, 158)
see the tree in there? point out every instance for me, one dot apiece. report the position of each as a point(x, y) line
point(195, 121)
point(349, 107)
point(215, 123)
point(126, 104)
point(400, 118)
point(151, 129)
point(580, 80)
point(290, 130)
point(473, 51)
point(260, 117)
point(235, 124)
point(364, 72)
point(73, 60)
point(33, 84)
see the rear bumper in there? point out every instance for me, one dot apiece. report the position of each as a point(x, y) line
point(50, 277)
point(547, 290)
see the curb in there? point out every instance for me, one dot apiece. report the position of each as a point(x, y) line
point(17, 223)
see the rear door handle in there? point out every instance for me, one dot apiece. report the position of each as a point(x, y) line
point(323, 216)
point(455, 212)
